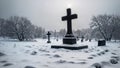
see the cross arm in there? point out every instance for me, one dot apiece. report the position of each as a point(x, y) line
point(74, 16)
point(64, 18)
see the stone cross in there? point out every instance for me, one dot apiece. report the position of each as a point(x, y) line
point(69, 37)
point(69, 18)
point(48, 37)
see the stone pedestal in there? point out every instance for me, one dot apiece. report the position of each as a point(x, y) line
point(69, 37)
point(69, 40)
point(75, 47)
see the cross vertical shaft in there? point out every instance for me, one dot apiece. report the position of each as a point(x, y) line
point(69, 24)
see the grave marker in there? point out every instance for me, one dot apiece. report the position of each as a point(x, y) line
point(69, 37)
point(48, 37)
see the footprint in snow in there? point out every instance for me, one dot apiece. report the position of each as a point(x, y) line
point(34, 53)
point(27, 51)
point(113, 61)
point(106, 50)
point(46, 54)
point(105, 63)
point(114, 53)
point(7, 64)
point(99, 54)
point(28, 46)
point(4, 61)
point(90, 57)
point(96, 65)
point(46, 65)
point(57, 56)
point(82, 60)
point(61, 61)
point(94, 55)
point(72, 62)
point(116, 57)
point(25, 60)
point(101, 64)
point(102, 52)
point(29, 67)
point(2, 54)
point(82, 63)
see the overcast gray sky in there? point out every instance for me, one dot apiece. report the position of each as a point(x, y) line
point(48, 13)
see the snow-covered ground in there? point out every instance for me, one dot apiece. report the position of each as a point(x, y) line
point(38, 54)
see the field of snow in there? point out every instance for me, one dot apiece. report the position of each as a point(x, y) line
point(38, 54)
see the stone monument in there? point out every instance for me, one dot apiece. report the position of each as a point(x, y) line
point(69, 37)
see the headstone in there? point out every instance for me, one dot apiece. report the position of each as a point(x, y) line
point(77, 38)
point(101, 42)
point(57, 38)
point(48, 37)
point(69, 37)
point(82, 38)
point(90, 40)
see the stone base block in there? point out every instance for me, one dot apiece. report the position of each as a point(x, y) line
point(69, 40)
point(71, 47)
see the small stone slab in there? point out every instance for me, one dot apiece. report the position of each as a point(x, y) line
point(71, 47)
point(101, 43)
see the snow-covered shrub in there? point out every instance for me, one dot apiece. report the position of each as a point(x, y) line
point(113, 61)
point(97, 65)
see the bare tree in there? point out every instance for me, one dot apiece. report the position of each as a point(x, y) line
point(2, 22)
point(106, 25)
point(20, 27)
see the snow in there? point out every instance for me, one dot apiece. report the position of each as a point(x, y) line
point(38, 54)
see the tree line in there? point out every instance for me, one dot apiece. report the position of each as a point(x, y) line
point(101, 27)
point(106, 27)
point(19, 28)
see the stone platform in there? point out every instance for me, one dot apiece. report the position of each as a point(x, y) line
point(71, 47)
